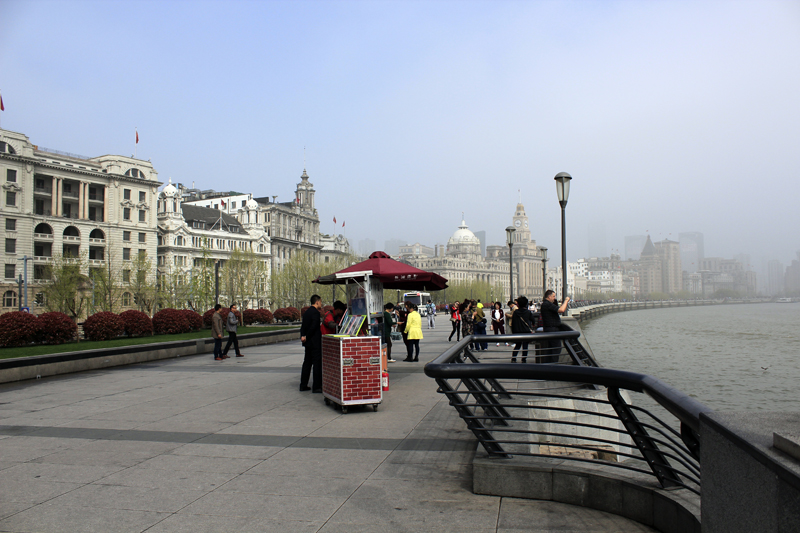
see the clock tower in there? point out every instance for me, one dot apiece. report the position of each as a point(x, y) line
point(520, 221)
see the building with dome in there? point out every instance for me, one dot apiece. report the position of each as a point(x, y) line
point(463, 262)
point(58, 204)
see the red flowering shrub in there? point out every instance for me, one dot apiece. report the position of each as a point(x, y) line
point(56, 328)
point(171, 321)
point(194, 319)
point(265, 316)
point(257, 316)
point(137, 324)
point(18, 328)
point(287, 314)
point(103, 326)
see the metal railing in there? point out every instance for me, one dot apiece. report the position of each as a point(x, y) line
point(570, 410)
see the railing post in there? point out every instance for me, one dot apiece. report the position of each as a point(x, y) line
point(647, 447)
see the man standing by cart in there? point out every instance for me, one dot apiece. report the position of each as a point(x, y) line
point(311, 337)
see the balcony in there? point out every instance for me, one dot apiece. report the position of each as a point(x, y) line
point(96, 262)
point(42, 258)
point(42, 236)
point(71, 194)
point(42, 212)
point(71, 238)
point(97, 197)
point(47, 191)
point(100, 242)
point(73, 216)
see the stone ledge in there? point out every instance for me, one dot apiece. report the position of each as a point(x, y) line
point(605, 488)
point(40, 366)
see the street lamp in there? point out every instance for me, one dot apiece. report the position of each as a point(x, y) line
point(562, 188)
point(544, 271)
point(510, 240)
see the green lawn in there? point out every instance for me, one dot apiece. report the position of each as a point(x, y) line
point(45, 349)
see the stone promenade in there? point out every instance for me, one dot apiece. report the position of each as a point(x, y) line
point(194, 445)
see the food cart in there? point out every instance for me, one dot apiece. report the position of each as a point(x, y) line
point(354, 359)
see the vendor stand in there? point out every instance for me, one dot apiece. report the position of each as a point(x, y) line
point(354, 359)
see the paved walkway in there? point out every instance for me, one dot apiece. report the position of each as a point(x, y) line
point(194, 445)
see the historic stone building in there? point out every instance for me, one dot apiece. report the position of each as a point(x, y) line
point(527, 257)
point(98, 209)
point(463, 262)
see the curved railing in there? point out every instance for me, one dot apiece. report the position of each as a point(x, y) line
point(571, 410)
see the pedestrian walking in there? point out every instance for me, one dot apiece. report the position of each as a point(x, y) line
point(431, 315)
point(455, 318)
point(216, 332)
point(521, 323)
point(233, 322)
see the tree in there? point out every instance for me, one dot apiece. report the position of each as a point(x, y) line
point(173, 289)
point(108, 286)
point(68, 290)
point(243, 277)
point(292, 284)
point(142, 283)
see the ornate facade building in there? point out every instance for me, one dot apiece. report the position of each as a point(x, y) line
point(527, 257)
point(56, 204)
point(463, 261)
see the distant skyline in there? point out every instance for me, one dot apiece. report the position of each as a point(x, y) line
point(671, 116)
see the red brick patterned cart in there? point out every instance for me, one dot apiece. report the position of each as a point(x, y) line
point(351, 371)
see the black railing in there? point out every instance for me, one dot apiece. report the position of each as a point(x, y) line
point(572, 409)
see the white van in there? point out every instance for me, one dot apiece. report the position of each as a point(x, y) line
point(420, 299)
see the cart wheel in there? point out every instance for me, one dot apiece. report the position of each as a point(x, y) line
point(327, 401)
point(344, 410)
point(375, 407)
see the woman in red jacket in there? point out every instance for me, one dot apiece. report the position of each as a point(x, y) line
point(455, 318)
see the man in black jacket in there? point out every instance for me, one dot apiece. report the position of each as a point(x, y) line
point(551, 323)
point(311, 337)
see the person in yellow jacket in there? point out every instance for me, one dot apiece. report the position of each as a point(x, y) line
point(413, 331)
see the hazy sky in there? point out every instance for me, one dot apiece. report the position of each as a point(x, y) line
point(671, 116)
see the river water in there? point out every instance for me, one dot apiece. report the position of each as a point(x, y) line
point(729, 357)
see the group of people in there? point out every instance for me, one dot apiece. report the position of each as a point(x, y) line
point(469, 318)
point(405, 316)
point(230, 325)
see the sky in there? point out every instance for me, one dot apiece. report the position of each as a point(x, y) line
point(671, 116)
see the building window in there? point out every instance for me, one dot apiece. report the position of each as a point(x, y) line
point(142, 255)
point(10, 299)
point(142, 237)
point(38, 299)
point(126, 213)
point(126, 194)
point(11, 224)
point(11, 175)
point(233, 205)
point(126, 236)
point(126, 254)
point(142, 196)
point(11, 198)
point(141, 215)
point(126, 299)
point(11, 270)
point(11, 246)
point(126, 276)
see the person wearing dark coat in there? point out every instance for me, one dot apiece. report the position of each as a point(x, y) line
point(521, 323)
point(552, 322)
point(311, 337)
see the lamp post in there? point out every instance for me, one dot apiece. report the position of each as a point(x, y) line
point(510, 240)
point(544, 271)
point(562, 188)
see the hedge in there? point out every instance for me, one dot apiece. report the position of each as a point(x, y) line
point(18, 328)
point(103, 326)
point(56, 328)
point(194, 319)
point(137, 324)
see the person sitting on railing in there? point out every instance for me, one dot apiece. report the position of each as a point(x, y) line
point(552, 322)
point(521, 323)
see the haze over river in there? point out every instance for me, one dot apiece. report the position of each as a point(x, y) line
point(713, 353)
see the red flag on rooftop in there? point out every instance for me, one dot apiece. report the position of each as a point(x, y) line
point(137, 137)
point(2, 107)
point(334, 220)
point(342, 224)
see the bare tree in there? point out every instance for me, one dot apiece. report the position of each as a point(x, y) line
point(68, 290)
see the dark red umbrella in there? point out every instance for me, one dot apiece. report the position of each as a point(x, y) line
point(393, 274)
